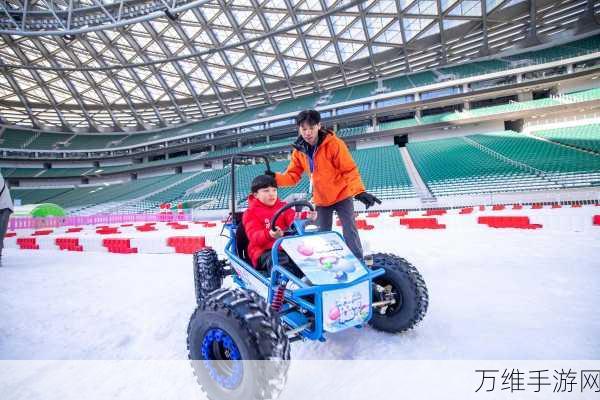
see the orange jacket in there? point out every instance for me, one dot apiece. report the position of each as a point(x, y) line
point(335, 176)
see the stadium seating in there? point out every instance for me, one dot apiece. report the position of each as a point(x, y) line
point(475, 68)
point(352, 131)
point(583, 136)
point(454, 166)
point(35, 196)
point(15, 139)
point(399, 83)
point(423, 78)
point(296, 105)
point(403, 123)
point(383, 172)
point(88, 142)
point(568, 50)
point(48, 141)
point(211, 189)
point(565, 166)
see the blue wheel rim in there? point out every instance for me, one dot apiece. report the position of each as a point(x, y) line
point(222, 358)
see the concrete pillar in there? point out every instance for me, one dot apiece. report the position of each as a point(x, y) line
point(525, 96)
point(218, 164)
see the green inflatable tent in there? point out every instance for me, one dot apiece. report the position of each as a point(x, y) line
point(40, 210)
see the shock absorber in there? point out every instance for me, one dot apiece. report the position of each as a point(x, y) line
point(277, 301)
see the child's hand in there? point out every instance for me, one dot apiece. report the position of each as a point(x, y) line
point(312, 216)
point(276, 234)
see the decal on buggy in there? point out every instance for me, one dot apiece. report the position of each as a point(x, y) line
point(343, 308)
point(324, 258)
point(251, 281)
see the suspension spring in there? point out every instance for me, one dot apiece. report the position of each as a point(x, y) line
point(277, 301)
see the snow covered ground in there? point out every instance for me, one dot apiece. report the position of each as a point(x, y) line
point(494, 295)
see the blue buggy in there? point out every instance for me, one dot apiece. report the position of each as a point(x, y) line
point(239, 337)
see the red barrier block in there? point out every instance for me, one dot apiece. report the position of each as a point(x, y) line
point(422, 223)
point(596, 220)
point(481, 208)
point(42, 232)
point(107, 231)
point(28, 244)
point(210, 225)
point(430, 212)
point(498, 207)
point(177, 225)
point(74, 230)
point(10, 234)
point(121, 246)
point(518, 222)
point(575, 205)
point(466, 210)
point(126, 225)
point(145, 228)
point(537, 206)
point(186, 244)
point(399, 213)
point(362, 224)
point(517, 207)
point(555, 205)
point(70, 244)
point(373, 214)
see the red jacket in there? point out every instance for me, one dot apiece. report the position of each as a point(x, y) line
point(256, 221)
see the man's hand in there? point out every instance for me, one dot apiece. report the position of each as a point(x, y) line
point(276, 234)
point(367, 199)
point(270, 173)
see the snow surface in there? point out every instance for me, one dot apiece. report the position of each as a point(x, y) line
point(494, 295)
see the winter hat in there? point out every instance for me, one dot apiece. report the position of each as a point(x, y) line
point(261, 182)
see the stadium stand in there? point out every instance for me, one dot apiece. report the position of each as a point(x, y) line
point(453, 166)
point(585, 137)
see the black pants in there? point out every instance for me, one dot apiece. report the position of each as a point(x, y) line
point(4, 216)
point(265, 262)
point(345, 211)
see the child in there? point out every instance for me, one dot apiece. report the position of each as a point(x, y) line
point(263, 203)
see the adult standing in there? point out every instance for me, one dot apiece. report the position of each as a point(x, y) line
point(334, 177)
point(6, 208)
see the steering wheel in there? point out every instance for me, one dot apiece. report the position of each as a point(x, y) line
point(300, 204)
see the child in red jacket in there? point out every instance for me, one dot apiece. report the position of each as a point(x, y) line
point(263, 203)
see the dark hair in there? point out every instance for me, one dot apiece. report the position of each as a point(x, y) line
point(311, 117)
point(261, 182)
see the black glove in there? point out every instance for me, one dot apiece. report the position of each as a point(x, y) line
point(270, 173)
point(367, 199)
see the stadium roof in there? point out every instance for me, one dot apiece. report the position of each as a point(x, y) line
point(108, 65)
